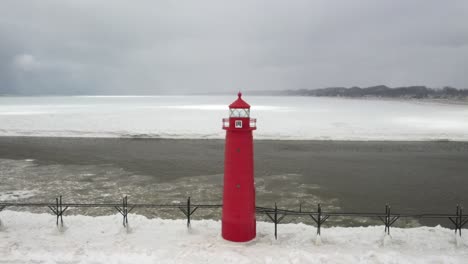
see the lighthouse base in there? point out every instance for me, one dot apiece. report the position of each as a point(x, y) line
point(236, 231)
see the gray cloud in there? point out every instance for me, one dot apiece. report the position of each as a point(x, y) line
point(143, 47)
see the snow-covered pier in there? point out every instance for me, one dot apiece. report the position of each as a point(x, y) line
point(32, 238)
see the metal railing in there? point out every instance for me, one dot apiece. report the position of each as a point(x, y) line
point(275, 214)
point(252, 123)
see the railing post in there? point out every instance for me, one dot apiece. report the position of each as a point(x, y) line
point(276, 222)
point(58, 210)
point(319, 222)
point(57, 206)
point(188, 212)
point(458, 220)
point(387, 219)
point(461, 218)
point(1, 209)
point(320, 219)
point(124, 211)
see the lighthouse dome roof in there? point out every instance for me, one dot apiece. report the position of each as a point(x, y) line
point(239, 103)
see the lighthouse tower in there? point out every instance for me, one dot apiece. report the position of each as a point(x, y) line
point(238, 219)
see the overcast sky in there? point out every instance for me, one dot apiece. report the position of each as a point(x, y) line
point(153, 47)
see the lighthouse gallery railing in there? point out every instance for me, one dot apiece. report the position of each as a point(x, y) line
point(252, 123)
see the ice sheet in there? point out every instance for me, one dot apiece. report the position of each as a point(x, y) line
point(295, 118)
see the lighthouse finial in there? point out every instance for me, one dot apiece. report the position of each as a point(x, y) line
point(239, 94)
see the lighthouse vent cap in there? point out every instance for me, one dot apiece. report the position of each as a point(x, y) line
point(239, 103)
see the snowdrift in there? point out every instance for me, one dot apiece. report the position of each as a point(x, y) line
point(34, 238)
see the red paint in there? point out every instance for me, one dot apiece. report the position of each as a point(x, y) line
point(238, 220)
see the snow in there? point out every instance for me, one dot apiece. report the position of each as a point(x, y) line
point(295, 118)
point(34, 238)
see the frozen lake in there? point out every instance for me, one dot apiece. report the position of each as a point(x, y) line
point(425, 176)
point(295, 118)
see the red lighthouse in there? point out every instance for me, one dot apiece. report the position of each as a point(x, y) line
point(238, 220)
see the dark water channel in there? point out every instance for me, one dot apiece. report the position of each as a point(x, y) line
point(351, 176)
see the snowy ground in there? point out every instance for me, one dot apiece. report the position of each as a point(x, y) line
point(33, 238)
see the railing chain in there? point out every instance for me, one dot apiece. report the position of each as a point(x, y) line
point(274, 214)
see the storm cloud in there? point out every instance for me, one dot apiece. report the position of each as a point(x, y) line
point(161, 47)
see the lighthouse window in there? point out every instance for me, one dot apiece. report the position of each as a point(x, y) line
point(240, 112)
point(238, 124)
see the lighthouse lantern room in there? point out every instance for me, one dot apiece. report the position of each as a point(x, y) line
point(238, 217)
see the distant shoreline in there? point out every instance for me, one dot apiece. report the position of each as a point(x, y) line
point(138, 138)
point(410, 92)
point(415, 92)
point(458, 101)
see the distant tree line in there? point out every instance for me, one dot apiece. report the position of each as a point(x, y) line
point(378, 91)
